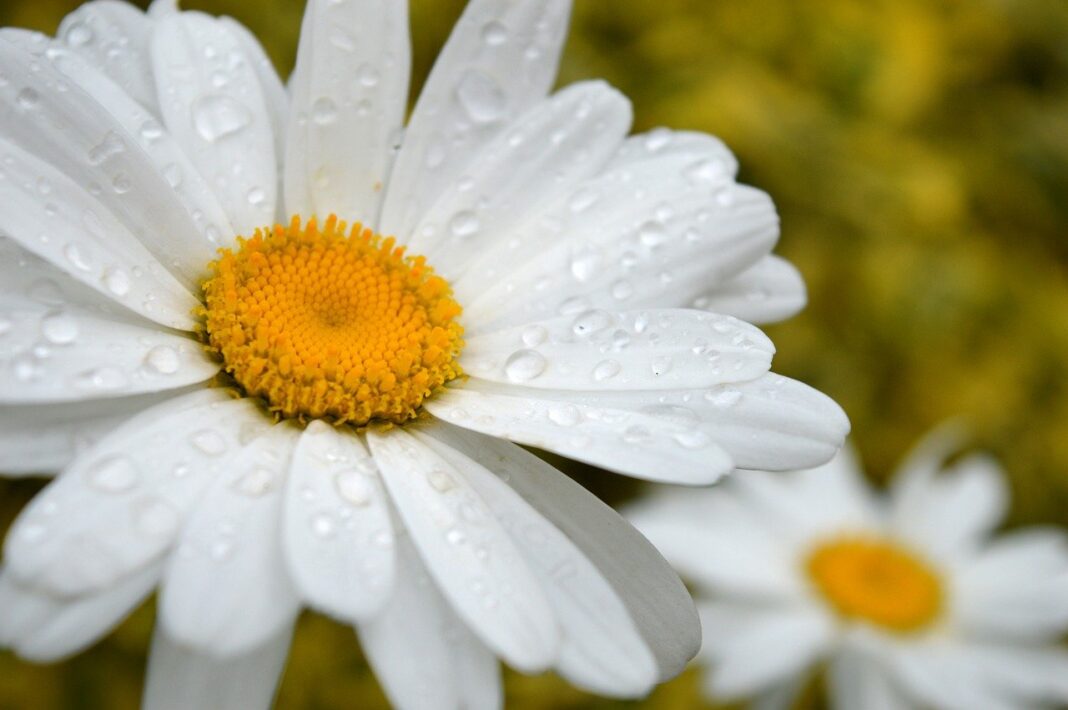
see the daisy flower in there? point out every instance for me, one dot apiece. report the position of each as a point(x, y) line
point(278, 346)
point(908, 598)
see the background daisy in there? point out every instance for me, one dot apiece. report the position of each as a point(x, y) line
point(910, 601)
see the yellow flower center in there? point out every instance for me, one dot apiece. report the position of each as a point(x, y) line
point(876, 581)
point(321, 323)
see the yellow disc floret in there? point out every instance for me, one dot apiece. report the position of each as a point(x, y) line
point(321, 323)
point(876, 581)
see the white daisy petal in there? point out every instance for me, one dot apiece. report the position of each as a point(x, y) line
point(767, 292)
point(628, 442)
point(86, 243)
point(350, 93)
point(499, 61)
point(602, 650)
point(660, 248)
point(608, 205)
point(720, 544)
point(467, 551)
point(63, 354)
point(973, 489)
point(45, 438)
point(780, 697)
point(655, 598)
point(753, 648)
point(226, 590)
point(213, 104)
point(942, 676)
point(541, 156)
point(46, 629)
point(337, 534)
point(180, 677)
point(119, 506)
point(1016, 587)
point(274, 91)
point(103, 139)
point(640, 350)
point(857, 681)
point(422, 654)
point(114, 37)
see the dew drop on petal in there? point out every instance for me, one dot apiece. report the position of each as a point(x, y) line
point(534, 335)
point(590, 323)
point(524, 365)
point(257, 482)
point(209, 442)
point(216, 116)
point(324, 111)
point(162, 359)
point(353, 487)
point(59, 328)
point(113, 474)
point(564, 414)
point(480, 97)
point(464, 223)
point(116, 281)
point(606, 370)
point(494, 34)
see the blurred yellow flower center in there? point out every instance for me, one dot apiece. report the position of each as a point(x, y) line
point(876, 581)
point(321, 323)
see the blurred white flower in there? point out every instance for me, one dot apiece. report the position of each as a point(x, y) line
point(909, 598)
point(582, 299)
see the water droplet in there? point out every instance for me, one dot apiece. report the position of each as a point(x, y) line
point(582, 200)
point(59, 328)
point(622, 290)
point(585, 262)
point(534, 335)
point(564, 414)
point(216, 116)
point(494, 34)
point(353, 487)
point(705, 171)
point(661, 365)
point(590, 323)
point(480, 97)
point(256, 196)
point(209, 442)
point(28, 99)
point(156, 517)
point(694, 439)
point(162, 359)
point(77, 257)
point(25, 368)
point(323, 525)
point(116, 281)
point(524, 365)
point(173, 174)
point(101, 378)
point(724, 398)
point(656, 139)
point(113, 474)
point(79, 35)
point(151, 130)
point(464, 223)
point(606, 370)
point(636, 434)
point(324, 111)
point(367, 75)
point(110, 146)
point(5, 324)
point(257, 482)
point(441, 481)
point(652, 234)
point(455, 536)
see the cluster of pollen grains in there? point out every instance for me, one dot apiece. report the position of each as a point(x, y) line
point(321, 323)
point(876, 581)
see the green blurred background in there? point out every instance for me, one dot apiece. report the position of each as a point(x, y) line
point(918, 153)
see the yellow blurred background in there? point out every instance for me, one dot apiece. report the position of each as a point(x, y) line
point(918, 152)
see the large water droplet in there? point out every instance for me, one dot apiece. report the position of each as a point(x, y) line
point(216, 116)
point(209, 442)
point(113, 474)
point(564, 414)
point(606, 370)
point(353, 487)
point(116, 281)
point(464, 223)
point(524, 365)
point(79, 34)
point(162, 359)
point(324, 111)
point(367, 75)
point(480, 97)
point(590, 323)
point(110, 146)
point(494, 34)
point(652, 234)
point(59, 328)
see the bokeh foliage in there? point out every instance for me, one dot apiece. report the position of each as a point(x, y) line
point(918, 152)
